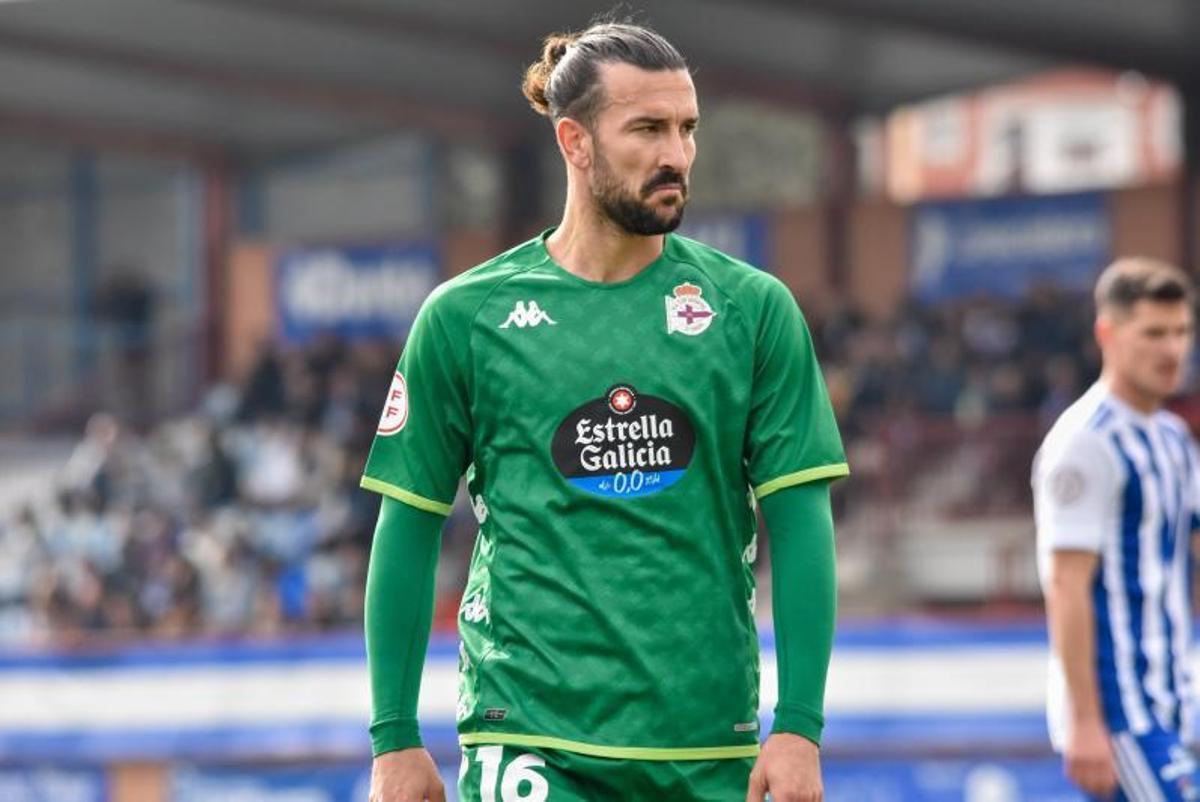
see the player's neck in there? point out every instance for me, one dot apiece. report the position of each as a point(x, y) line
point(1131, 396)
point(595, 249)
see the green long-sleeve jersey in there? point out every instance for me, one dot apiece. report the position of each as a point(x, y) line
point(614, 436)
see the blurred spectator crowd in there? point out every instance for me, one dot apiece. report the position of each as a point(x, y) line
point(245, 518)
point(969, 361)
point(942, 407)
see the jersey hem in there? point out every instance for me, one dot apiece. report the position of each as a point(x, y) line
point(617, 752)
point(834, 471)
point(406, 496)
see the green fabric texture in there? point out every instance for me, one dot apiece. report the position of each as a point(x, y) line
point(399, 614)
point(804, 603)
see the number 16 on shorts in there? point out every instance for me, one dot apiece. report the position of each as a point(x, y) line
point(485, 776)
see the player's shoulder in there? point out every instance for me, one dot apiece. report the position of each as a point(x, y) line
point(1083, 428)
point(460, 297)
point(744, 284)
point(1174, 424)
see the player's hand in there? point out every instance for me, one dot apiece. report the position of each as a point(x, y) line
point(1089, 759)
point(407, 775)
point(789, 768)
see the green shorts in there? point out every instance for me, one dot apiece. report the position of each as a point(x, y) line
point(521, 774)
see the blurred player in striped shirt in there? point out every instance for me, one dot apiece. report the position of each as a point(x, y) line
point(1116, 498)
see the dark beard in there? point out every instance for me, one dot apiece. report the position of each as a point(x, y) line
point(628, 211)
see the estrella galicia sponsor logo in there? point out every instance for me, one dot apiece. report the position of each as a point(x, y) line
point(624, 444)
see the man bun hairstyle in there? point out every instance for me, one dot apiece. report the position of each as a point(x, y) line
point(1132, 279)
point(565, 82)
point(537, 75)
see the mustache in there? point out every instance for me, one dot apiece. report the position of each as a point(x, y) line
point(663, 178)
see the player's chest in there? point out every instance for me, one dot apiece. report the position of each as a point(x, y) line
point(538, 355)
point(1158, 477)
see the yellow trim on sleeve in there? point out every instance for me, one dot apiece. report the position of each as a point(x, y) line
point(400, 494)
point(800, 477)
point(618, 752)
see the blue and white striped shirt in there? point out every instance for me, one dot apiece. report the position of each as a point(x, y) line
point(1123, 484)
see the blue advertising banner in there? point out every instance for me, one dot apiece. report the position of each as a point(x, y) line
point(353, 291)
point(742, 236)
point(313, 783)
point(48, 784)
point(947, 780)
point(335, 782)
point(103, 705)
point(1001, 247)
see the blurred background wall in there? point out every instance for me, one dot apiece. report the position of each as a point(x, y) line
point(217, 220)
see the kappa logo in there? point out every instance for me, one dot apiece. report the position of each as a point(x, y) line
point(474, 609)
point(480, 508)
point(526, 316)
point(687, 312)
point(1181, 767)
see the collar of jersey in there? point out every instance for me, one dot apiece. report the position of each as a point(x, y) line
point(641, 275)
point(1124, 407)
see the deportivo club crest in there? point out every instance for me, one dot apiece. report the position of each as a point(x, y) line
point(687, 312)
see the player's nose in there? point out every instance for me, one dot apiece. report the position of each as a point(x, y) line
point(674, 153)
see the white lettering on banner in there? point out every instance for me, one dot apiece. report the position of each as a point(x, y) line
point(1052, 236)
point(1055, 236)
point(326, 287)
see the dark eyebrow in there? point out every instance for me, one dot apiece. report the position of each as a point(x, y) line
point(648, 119)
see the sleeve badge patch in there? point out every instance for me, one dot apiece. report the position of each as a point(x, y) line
point(395, 409)
point(1067, 485)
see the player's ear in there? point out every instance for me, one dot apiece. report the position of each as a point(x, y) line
point(1102, 329)
point(575, 142)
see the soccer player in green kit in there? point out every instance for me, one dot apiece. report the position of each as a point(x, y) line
point(619, 398)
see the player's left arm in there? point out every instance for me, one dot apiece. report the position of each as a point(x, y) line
point(804, 602)
point(793, 451)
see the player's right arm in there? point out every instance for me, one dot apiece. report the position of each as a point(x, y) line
point(422, 447)
point(1075, 499)
point(1072, 622)
point(399, 613)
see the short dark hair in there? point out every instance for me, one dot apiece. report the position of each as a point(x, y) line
point(1132, 279)
point(565, 82)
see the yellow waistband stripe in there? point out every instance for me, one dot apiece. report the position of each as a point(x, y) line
point(617, 752)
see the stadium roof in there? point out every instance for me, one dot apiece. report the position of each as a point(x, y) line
point(246, 77)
